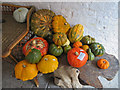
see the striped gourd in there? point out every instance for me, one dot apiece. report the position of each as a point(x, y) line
point(76, 33)
point(41, 22)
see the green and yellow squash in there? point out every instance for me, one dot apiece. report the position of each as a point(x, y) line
point(41, 22)
point(76, 33)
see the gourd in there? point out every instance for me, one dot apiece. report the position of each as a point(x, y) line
point(37, 43)
point(20, 14)
point(49, 38)
point(55, 50)
point(103, 63)
point(88, 40)
point(25, 71)
point(97, 49)
point(48, 64)
point(67, 48)
point(60, 38)
point(67, 43)
point(41, 22)
point(77, 44)
point(60, 24)
point(76, 33)
point(85, 47)
point(90, 55)
point(77, 57)
point(34, 56)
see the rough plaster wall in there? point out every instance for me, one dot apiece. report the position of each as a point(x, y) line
point(100, 20)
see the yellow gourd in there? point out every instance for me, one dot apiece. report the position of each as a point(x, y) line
point(48, 64)
point(25, 71)
point(60, 24)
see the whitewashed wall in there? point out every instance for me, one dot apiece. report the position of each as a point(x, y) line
point(100, 19)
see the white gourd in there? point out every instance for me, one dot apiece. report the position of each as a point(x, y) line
point(20, 14)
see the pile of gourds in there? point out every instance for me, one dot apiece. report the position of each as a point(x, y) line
point(55, 37)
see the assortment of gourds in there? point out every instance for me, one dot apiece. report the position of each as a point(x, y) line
point(55, 37)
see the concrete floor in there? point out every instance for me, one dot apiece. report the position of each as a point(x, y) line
point(9, 80)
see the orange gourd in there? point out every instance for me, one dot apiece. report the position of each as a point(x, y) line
point(77, 44)
point(77, 57)
point(85, 47)
point(25, 71)
point(103, 63)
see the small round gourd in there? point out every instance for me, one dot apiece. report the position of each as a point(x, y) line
point(34, 56)
point(55, 50)
point(97, 49)
point(85, 47)
point(77, 44)
point(88, 40)
point(103, 63)
point(25, 71)
point(67, 48)
point(48, 64)
point(60, 38)
point(20, 14)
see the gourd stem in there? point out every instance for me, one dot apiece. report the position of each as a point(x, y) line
point(46, 59)
point(103, 61)
point(23, 65)
point(58, 46)
point(76, 53)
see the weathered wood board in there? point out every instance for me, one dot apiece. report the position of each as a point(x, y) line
point(90, 71)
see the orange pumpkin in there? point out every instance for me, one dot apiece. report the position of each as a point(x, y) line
point(77, 57)
point(77, 44)
point(103, 63)
point(85, 47)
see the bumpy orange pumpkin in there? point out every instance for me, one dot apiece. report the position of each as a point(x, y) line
point(60, 24)
point(77, 57)
point(77, 44)
point(37, 43)
point(25, 71)
point(103, 63)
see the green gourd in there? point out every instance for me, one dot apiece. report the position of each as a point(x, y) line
point(76, 33)
point(97, 49)
point(90, 55)
point(49, 38)
point(67, 48)
point(88, 40)
point(34, 56)
point(55, 50)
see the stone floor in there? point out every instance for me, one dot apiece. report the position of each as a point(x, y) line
point(9, 80)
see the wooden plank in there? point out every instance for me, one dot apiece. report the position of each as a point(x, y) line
point(90, 71)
